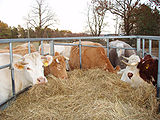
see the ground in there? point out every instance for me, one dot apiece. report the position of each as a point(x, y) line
point(86, 94)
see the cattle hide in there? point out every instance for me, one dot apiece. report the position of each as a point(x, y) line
point(91, 57)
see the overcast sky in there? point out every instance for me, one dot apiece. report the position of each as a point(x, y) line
point(70, 13)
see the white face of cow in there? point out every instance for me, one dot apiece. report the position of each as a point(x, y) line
point(131, 73)
point(131, 76)
point(32, 67)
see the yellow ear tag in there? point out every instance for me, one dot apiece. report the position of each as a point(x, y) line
point(147, 66)
point(46, 64)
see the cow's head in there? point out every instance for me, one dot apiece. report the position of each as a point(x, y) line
point(148, 69)
point(58, 66)
point(145, 63)
point(31, 66)
point(133, 59)
point(131, 73)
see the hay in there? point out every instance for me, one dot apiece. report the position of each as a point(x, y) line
point(89, 94)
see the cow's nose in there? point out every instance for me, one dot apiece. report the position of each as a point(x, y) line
point(130, 75)
point(41, 80)
point(64, 77)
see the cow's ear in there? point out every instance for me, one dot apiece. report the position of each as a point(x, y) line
point(47, 60)
point(57, 53)
point(18, 66)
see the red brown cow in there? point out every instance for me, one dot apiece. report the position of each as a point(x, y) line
point(57, 67)
point(92, 57)
point(148, 69)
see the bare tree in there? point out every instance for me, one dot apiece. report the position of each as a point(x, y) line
point(41, 17)
point(124, 9)
point(95, 19)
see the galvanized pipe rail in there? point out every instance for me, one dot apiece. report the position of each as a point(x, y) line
point(105, 38)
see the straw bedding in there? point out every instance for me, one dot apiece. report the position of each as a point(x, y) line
point(87, 94)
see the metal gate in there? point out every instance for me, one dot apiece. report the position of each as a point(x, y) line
point(140, 46)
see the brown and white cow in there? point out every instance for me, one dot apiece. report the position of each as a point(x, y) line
point(57, 67)
point(131, 74)
point(23, 49)
point(92, 57)
point(148, 69)
point(62, 50)
point(28, 71)
point(141, 71)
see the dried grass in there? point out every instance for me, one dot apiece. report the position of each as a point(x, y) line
point(87, 94)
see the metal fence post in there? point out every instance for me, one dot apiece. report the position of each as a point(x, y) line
point(158, 80)
point(138, 46)
point(80, 60)
point(107, 47)
point(12, 69)
point(143, 47)
point(29, 47)
point(42, 52)
point(52, 48)
point(150, 47)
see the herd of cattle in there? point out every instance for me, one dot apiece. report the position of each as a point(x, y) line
point(30, 69)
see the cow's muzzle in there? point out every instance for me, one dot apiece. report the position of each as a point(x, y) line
point(41, 80)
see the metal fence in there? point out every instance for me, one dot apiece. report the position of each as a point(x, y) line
point(140, 46)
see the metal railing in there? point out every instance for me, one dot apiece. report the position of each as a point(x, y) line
point(66, 39)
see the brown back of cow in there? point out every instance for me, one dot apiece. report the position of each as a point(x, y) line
point(92, 57)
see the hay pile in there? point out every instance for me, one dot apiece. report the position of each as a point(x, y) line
point(91, 94)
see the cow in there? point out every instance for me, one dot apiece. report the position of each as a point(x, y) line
point(28, 71)
point(131, 74)
point(144, 70)
point(23, 49)
point(91, 57)
point(115, 54)
point(148, 69)
point(20, 49)
point(62, 50)
point(57, 67)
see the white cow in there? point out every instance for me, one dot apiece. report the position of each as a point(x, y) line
point(28, 70)
point(62, 50)
point(131, 74)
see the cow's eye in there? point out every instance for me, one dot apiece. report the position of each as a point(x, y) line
point(28, 68)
